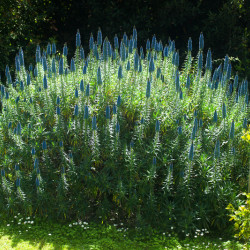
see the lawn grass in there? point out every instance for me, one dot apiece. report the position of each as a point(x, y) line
point(32, 233)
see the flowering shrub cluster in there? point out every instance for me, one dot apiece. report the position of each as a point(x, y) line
point(125, 132)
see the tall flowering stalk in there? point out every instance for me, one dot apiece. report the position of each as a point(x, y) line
point(123, 125)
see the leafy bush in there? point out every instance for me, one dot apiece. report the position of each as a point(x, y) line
point(241, 216)
point(123, 132)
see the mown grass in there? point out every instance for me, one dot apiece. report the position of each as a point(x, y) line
point(33, 233)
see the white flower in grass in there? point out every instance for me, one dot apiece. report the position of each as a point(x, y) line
point(70, 225)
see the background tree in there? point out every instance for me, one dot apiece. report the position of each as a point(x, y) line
point(225, 24)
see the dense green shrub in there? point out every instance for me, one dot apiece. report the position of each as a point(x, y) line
point(123, 132)
point(241, 217)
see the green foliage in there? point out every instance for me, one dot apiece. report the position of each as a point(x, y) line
point(241, 217)
point(157, 158)
point(33, 233)
point(224, 23)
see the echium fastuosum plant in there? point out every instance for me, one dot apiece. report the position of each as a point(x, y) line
point(123, 129)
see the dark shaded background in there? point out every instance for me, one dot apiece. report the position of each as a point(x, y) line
point(225, 24)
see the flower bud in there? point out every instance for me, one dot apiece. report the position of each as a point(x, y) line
point(128, 66)
point(94, 127)
point(36, 163)
point(117, 127)
point(19, 128)
point(99, 77)
point(86, 112)
point(107, 112)
point(61, 66)
point(200, 58)
point(151, 67)
point(76, 110)
point(53, 48)
point(78, 39)
point(2, 172)
point(58, 110)
point(49, 49)
point(65, 50)
point(189, 44)
point(148, 45)
point(76, 93)
point(148, 90)
point(116, 42)
point(45, 83)
point(120, 76)
point(245, 123)
point(33, 151)
point(201, 42)
point(37, 182)
point(224, 111)
point(91, 42)
point(231, 133)
point(217, 149)
point(119, 101)
point(44, 145)
point(72, 65)
point(99, 37)
point(87, 90)
point(157, 126)
point(114, 109)
point(154, 160)
point(18, 182)
point(179, 130)
point(191, 152)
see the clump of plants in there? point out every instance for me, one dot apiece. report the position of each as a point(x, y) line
point(241, 217)
point(123, 132)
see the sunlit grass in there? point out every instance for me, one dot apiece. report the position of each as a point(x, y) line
point(32, 233)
